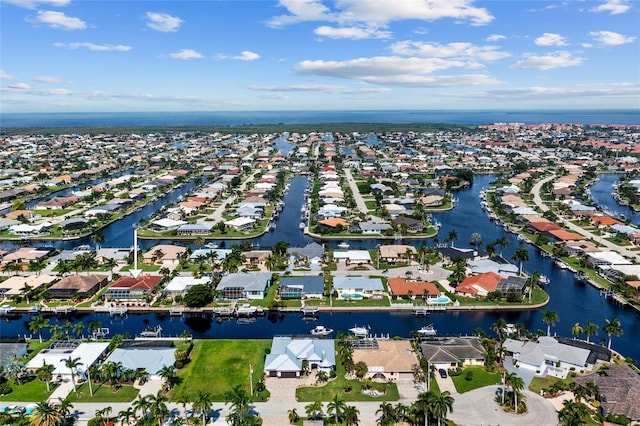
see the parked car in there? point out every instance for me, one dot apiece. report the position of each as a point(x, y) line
point(443, 373)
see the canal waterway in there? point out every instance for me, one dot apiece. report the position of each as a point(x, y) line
point(572, 302)
point(601, 193)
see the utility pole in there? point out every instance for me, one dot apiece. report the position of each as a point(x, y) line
point(251, 378)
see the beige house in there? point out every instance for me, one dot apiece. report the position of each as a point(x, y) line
point(396, 253)
point(165, 255)
point(393, 360)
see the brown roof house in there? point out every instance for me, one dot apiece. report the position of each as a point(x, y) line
point(82, 285)
point(451, 351)
point(164, 254)
point(391, 360)
point(129, 288)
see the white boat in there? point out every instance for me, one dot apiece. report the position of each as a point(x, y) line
point(321, 330)
point(509, 329)
point(343, 245)
point(151, 332)
point(246, 309)
point(427, 330)
point(7, 311)
point(561, 264)
point(544, 280)
point(360, 331)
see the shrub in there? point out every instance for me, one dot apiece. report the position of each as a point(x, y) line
point(469, 376)
point(5, 389)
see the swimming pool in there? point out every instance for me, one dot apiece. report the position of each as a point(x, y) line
point(440, 300)
point(352, 296)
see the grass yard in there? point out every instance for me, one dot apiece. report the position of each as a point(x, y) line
point(103, 393)
point(218, 365)
point(480, 379)
point(539, 383)
point(32, 391)
point(327, 391)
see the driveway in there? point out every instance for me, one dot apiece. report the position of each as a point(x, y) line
point(478, 407)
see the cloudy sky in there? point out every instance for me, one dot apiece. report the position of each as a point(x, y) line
point(223, 55)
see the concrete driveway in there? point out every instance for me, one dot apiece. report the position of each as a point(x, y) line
point(477, 407)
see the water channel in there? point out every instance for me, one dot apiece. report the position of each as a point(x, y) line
point(573, 302)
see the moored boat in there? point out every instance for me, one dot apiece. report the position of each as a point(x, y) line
point(360, 331)
point(427, 330)
point(321, 330)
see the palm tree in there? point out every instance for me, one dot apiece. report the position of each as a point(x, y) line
point(441, 405)
point(550, 318)
point(110, 263)
point(590, 329)
point(577, 330)
point(499, 327)
point(45, 414)
point(72, 364)
point(516, 384)
point(36, 325)
point(168, 374)
point(64, 406)
point(239, 400)
point(422, 407)
point(141, 404)
point(158, 407)
point(520, 255)
point(336, 406)
point(126, 416)
point(452, 236)
point(103, 414)
point(45, 374)
point(572, 413)
point(475, 240)
point(36, 266)
point(77, 329)
point(97, 238)
point(503, 242)
point(293, 416)
point(313, 409)
point(202, 402)
point(612, 328)
point(387, 413)
point(351, 414)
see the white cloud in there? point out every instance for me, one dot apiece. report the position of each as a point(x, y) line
point(186, 54)
point(354, 33)
point(272, 96)
point(614, 7)
point(495, 37)
point(550, 39)
point(163, 22)
point(19, 87)
point(246, 56)
point(605, 90)
point(459, 50)
point(394, 70)
point(326, 88)
point(47, 79)
point(95, 47)
point(60, 20)
point(5, 76)
point(33, 4)
point(380, 12)
point(547, 62)
point(610, 38)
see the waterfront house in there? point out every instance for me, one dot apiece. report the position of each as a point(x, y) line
point(179, 285)
point(27, 254)
point(203, 228)
point(166, 224)
point(310, 252)
point(130, 288)
point(73, 223)
point(489, 265)
point(80, 285)
point(401, 287)
point(288, 354)
point(55, 354)
point(140, 358)
point(450, 253)
point(449, 352)
point(101, 210)
point(8, 223)
point(304, 287)
point(164, 254)
point(29, 230)
point(552, 356)
point(119, 254)
point(19, 285)
point(371, 227)
point(241, 223)
point(413, 225)
point(479, 284)
point(352, 256)
point(245, 285)
point(390, 360)
point(390, 253)
point(358, 288)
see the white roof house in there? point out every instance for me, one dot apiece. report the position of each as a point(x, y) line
point(358, 287)
point(287, 354)
point(149, 359)
point(180, 285)
point(352, 256)
point(55, 355)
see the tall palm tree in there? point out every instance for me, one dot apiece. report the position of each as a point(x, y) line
point(351, 414)
point(158, 407)
point(238, 398)
point(613, 327)
point(499, 327)
point(550, 318)
point(441, 405)
point(45, 374)
point(202, 402)
point(423, 406)
point(590, 329)
point(516, 384)
point(452, 236)
point(293, 416)
point(387, 413)
point(97, 238)
point(141, 404)
point(72, 364)
point(45, 414)
point(36, 325)
point(503, 242)
point(78, 328)
point(577, 330)
point(336, 406)
point(126, 416)
point(572, 413)
point(64, 405)
point(313, 409)
point(520, 255)
point(168, 374)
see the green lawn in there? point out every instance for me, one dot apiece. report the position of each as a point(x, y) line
point(539, 383)
point(103, 393)
point(32, 391)
point(218, 365)
point(327, 391)
point(481, 378)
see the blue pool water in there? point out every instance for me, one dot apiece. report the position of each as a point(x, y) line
point(441, 299)
point(352, 296)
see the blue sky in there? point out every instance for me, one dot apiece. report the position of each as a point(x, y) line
point(210, 55)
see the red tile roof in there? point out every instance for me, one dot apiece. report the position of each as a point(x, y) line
point(401, 287)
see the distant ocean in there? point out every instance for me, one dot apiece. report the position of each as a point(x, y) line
point(235, 118)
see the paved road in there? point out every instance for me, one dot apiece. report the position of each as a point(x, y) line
point(535, 191)
point(362, 206)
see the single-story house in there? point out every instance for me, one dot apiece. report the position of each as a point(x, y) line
point(130, 288)
point(179, 286)
point(413, 225)
point(305, 287)
point(16, 285)
point(374, 227)
point(352, 256)
point(245, 285)
point(401, 287)
point(58, 351)
point(396, 253)
point(82, 285)
point(26, 254)
point(119, 254)
point(203, 228)
point(149, 359)
point(449, 352)
point(358, 287)
point(166, 224)
point(618, 388)
point(164, 254)
point(287, 355)
point(241, 223)
point(391, 360)
point(479, 285)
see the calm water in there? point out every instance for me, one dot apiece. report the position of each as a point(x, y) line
point(573, 303)
point(233, 118)
point(601, 192)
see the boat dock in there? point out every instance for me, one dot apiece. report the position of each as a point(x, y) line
point(111, 310)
